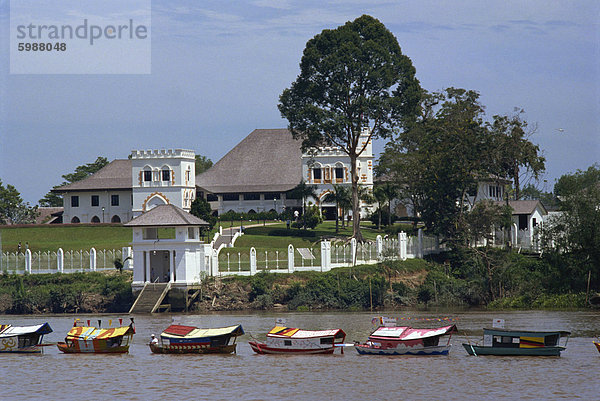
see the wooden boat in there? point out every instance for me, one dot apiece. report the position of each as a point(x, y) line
point(390, 339)
point(285, 340)
point(499, 341)
point(23, 339)
point(177, 339)
point(597, 344)
point(92, 340)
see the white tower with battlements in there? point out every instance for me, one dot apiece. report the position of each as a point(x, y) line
point(166, 176)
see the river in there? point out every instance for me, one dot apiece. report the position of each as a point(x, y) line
point(141, 375)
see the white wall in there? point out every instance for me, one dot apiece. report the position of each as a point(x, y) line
point(85, 212)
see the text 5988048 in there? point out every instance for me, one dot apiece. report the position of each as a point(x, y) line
point(42, 47)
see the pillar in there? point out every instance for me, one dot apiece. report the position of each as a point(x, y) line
point(28, 260)
point(379, 243)
point(93, 259)
point(290, 258)
point(325, 256)
point(402, 245)
point(60, 260)
point(252, 261)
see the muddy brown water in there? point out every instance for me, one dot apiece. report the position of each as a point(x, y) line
point(141, 375)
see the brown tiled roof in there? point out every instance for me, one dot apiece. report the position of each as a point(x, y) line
point(115, 175)
point(523, 206)
point(166, 215)
point(48, 214)
point(267, 160)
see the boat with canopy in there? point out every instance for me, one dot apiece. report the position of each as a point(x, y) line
point(178, 339)
point(286, 340)
point(501, 341)
point(23, 339)
point(93, 340)
point(391, 339)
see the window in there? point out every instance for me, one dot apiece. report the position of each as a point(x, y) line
point(95, 219)
point(252, 196)
point(339, 173)
point(166, 175)
point(75, 220)
point(317, 174)
point(150, 233)
point(327, 340)
point(115, 219)
point(231, 197)
point(192, 233)
point(147, 175)
point(211, 198)
point(75, 201)
point(272, 195)
point(95, 200)
point(114, 200)
point(287, 343)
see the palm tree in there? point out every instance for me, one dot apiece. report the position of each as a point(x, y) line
point(303, 191)
point(341, 197)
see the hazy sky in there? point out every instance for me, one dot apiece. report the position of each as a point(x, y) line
point(219, 67)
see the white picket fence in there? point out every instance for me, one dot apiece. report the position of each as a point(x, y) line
point(325, 257)
point(61, 261)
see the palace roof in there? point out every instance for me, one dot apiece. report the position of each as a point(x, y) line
point(267, 160)
point(115, 175)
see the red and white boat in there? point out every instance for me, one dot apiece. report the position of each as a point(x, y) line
point(390, 339)
point(285, 340)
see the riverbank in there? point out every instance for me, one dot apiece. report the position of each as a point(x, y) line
point(386, 286)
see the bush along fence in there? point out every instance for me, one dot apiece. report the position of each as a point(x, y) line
point(323, 258)
point(63, 261)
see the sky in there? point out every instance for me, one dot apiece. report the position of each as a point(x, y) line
point(218, 68)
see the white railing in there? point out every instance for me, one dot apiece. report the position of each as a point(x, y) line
point(247, 263)
point(61, 261)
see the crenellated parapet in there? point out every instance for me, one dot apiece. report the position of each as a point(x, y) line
point(162, 154)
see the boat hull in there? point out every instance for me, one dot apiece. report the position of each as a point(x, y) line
point(597, 346)
point(505, 351)
point(63, 347)
point(364, 349)
point(262, 348)
point(192, 349)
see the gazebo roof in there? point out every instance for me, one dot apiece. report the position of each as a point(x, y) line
point(166, 215)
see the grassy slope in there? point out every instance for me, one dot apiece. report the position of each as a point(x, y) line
point(75, 237)
point(67, 237)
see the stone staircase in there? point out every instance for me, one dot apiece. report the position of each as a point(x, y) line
point(149, 300)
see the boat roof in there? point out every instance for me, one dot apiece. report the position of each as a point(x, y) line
point(7, 330)
point(523, 333)
point(90, 333)
point(408, 333)
point(179, 331)
point(287, 332)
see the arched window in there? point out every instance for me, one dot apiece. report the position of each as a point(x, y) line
point(147, 174)
point(165, 174)
point(115, 219)
point(317, 173)
point(95, 219)
point(75, 220)
point(251, 211)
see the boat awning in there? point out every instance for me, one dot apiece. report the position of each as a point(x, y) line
point(179, 331)
point(7, 330)
point(91, 333)
point(524, 333)
point(408, 333)
point(286, 332)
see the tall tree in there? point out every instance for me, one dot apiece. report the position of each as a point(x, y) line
point(514, 155)
point(203, 163)
point(352, 78)
point(81, 172)
point(13, 210)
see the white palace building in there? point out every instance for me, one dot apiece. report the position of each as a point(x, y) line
point(254, 176)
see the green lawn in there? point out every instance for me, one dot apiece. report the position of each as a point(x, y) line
point(82, 236)
point(68, 237)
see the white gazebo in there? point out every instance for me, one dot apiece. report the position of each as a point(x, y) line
point(167, 248)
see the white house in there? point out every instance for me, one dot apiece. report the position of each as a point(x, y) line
point(167, 248)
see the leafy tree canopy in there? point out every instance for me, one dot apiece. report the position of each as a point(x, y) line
point(351, 78)
point(203, 163)
point(13, 210)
